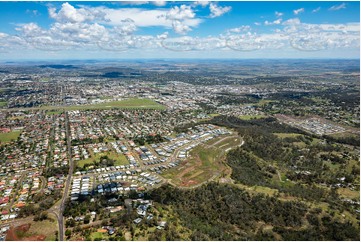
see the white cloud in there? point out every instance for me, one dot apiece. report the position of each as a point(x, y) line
point(316, 10)
point(143, 17)
point(159, 3)
point(68, 13)
point(243, 28)
point(201, 3)
point(180, 13)
point(163, 36)
point(33, 12)
point(136, 3)
point(257, 23)
point(278, 14)
point(182, 18)
point(292, 21)
point(217, 11)
point(315, 37)
point(188, 43)
point(297, 11)
point(126, 28)
point(180, 28)
point(101, 28)
point(30, 29)
point(337, 7)
point(275, 22)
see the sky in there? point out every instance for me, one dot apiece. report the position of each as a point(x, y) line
point(179, 29)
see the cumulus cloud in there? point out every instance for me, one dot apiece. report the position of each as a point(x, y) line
point(316, 10)
point(244, 42)
point(201, 3)
point(159, 3)
point(101, 28)
point(180, 28)
point(163, 36)
point(126, 28)
point(337, 7)
point(180, 13)
point(297, 11)
point(180, 18)
point(292, 21)
point(278, 14)
point(243, 28)
point(275, 22)
point(217, 11)
point(68, 13)
point(135, 3)
point(315, 37)
point(188, 43)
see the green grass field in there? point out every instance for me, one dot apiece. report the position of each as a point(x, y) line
point(98, 235)
point(132, 103)
point(7, 137)
point(120, 159)
point(3, 104)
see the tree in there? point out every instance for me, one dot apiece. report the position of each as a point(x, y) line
point(68, 233)
point(87, 219)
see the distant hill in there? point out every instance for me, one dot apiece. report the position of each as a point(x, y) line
point(59, 66)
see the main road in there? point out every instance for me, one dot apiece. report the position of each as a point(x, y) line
point(68, 180)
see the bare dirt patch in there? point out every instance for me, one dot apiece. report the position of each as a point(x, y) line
point(19, 234)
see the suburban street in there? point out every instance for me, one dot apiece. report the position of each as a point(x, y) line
point(68, 180)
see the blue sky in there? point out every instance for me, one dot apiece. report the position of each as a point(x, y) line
point(179, 29)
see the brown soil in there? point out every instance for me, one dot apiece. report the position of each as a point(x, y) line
point(12, 234)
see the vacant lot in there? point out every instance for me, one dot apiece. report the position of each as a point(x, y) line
point(120, 159)
point(46, 228)
point(35, 231)
point(205, 162)
point(7, 137)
